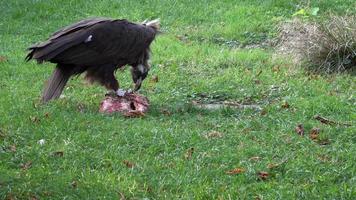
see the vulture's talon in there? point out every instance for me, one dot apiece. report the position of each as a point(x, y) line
point(120, 92)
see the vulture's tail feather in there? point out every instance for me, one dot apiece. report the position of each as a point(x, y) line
point(55, 84)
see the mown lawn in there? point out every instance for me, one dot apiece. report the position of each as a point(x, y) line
point(173, 153)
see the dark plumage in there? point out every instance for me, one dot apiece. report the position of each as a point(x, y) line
point(98, 47)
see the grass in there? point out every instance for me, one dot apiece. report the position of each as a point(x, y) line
point(193, 57)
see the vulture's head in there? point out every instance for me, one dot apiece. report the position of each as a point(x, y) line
point(140, 71)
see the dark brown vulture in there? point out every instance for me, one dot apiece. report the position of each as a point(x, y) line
point(98, 47)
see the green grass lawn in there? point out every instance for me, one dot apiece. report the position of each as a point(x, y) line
point(200, 55)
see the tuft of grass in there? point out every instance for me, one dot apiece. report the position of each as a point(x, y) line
point(327, 46)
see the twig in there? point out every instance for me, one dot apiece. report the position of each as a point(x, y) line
point(328, 121)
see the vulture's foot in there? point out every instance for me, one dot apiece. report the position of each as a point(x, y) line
point(120, 92)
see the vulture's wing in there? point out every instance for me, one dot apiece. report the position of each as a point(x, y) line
point(95, 42)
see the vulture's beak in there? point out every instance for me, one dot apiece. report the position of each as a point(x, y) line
point(138, 84)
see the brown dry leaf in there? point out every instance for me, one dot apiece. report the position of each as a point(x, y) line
point(3, 59)
point(299, 129)
point(257, 82)
point(122, 196)
point(264, 112)
point(154, 79)
point(285, 105)
point(13, 148)
point(74, 184)
point(26, 165)
point(276, 69)
point(34, 119)
point(272, 165)
point(263, 175)
point(324, 141)
point(314, 133)
point(188, 155)
point(33, 197)
point(134, 114)
point(128, 164)
point(166, 112)
point(235, 171)
point(255, 158)
point(46, 115)
point(58, 153)
point(214, 134)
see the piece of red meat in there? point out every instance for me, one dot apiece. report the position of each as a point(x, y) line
point(130, 102)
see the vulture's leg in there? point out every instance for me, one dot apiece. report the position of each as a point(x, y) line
point(105, 75)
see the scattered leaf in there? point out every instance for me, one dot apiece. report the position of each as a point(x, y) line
point(58, 153)
point(285, 105)
point(264, 112)
point(314, 133)
point(41, 142)
point(235, 171)
point(128, 164)
point(188, 155)
point(46, 115)
point(74, 184)
point(276, 69)
point(3, 59)
point(257, 82)
point(324, 141)
point(166, 112)
point(26, 165)
point(13, 148)
point(154, 79)
point(263, 175)
point(33, 197)
point(134, 114)
point(272, 165)
point(122, 196)
point(300, 129)
point(214, 134)
point(34, 119)
point(255, 158)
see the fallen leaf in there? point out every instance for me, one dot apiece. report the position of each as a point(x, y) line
point(264, 112)
point(263, 175)
point(257, 82)
point(166, 112)
point(154, 79)
point(74, 184)
point(41, 142)
point(285, 105)
point(235, 171)
point(188, 155)
point(324, 141)
point(134, 114)
point(46, 115)
point(276, 68)
point(13, 148)
point(314, 133)
point(255, 158)
point(128, 164)
point(58, 153)
point(272, 165)
point(122, 196)
point(214, 134)
point(34, 119)
point(33, 197)
point(3, 59)
point(300, 129)
point(26, 165)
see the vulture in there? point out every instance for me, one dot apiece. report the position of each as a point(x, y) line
point(98, 47)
